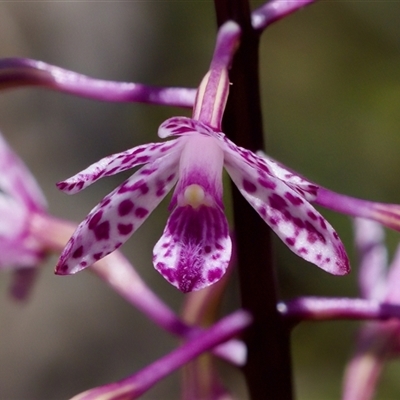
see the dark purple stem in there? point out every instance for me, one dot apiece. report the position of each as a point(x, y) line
point(268, 369)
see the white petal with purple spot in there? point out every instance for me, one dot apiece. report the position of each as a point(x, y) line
point(117, 163)
point(290, 215)
point(118, 215)
point(195, 248)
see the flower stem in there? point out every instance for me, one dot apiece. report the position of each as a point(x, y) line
point(268, 370)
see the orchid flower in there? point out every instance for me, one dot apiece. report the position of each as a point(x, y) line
point(28, 233)
point(377, 341)
point(195, 248)
point(20, 201)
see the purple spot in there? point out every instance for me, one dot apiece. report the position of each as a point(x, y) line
point(167, 273)
point(219, 247)
point(312, 215)
point(63, 268)
point(124, 188)
point(148, 171)
point(327, 260)
point(166, 148)
point(207, 249)
point(298, 222)
point(335, 235)
point(125, 229)
point(78, 252)
point(262, 211)
point(140, 185)
point(277, 202)
point(80, 184)
point(141, 212)
point(266, 183)
point(83, 264)
point(154, 146)
point(214, 275)
point(303, 250)
point(61, 185)
point(168, 253)
point(97, 256)
point(160, 192)
point(112, 171)
point(125, 207)
point(296, 201)
point(169, 179)
point(102, 231)
point(313, 235)
point(263, 167)
point(290, 241)
point(322, 223)
point(249, 187)
point(273, 221)
point(105, 202)
point(127, 159)
point(139, 150)
point(95, 220)
point(142, 159)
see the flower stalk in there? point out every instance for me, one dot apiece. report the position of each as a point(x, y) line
point(268, 368)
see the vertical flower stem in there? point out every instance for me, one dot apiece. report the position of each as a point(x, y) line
point(268, 370)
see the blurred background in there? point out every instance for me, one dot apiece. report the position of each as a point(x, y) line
point(331, 101)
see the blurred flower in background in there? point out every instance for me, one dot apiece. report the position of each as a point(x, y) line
point(377, 342)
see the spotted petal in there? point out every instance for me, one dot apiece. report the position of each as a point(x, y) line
point(116, 163)
point(288, 213)
point(195, 248)
point(118, 215)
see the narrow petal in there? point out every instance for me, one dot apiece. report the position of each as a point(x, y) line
point(212, 93)
point(386, 214)
point(17, 72)
point(17, 181)
point(117, 163)
point(195, 248)
point(333, 309)
point(288, 213)
point(118, 215)
point(137, 384)
point(275, 10)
